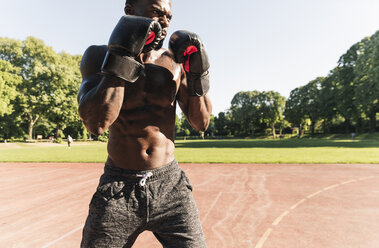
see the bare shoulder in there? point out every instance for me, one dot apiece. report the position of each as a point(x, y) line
point(92, 60)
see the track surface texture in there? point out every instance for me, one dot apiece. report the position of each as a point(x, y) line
point(250, 206)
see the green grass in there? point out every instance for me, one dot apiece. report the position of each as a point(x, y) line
point(278, 151)
point(90, 152)
point(365, 151)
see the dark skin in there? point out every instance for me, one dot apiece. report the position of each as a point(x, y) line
point(141, 115)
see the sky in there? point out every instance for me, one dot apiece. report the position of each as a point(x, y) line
point(252, 44)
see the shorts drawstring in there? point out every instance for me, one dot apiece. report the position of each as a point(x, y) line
point(145, 176)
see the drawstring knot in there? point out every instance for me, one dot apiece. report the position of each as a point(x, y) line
point(145, 176)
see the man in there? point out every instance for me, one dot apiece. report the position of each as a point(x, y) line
point(131, 87)
point(69, 141)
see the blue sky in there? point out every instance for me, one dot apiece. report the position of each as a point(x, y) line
point(253, 45)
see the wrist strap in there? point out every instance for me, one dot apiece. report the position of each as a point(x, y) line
point(198, 84)
point(124, 67)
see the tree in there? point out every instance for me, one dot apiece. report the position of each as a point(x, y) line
point(243, 112)
point(329, 99)
point(178, 126)
point(311, 101)
point(367, 78)
point(62, 92)
point(271, 108)
point(304, 103)
point(9, 80)
point(345, 86)
point(49, 82)
point(254, 110)
point(294, 111)
point(187, 130)
point(222, 123)
point(212, 127)
point(35, 61)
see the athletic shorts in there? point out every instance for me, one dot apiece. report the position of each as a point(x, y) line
point(126, 203)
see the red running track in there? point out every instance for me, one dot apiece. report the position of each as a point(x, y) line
point(252, 206)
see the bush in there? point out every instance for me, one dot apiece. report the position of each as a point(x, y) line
point(102, 138)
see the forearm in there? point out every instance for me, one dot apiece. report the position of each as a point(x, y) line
point(199, 111)
point(100, 106)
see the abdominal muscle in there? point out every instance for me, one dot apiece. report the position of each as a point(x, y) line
point(142, 137)
point(142, 144)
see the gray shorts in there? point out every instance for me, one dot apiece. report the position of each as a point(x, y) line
point(126, 203)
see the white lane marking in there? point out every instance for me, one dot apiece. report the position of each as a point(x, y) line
point(314, 194)
point(298, 203)
point(264, 238)
point(62, 237)
point(279, 219)
point(332, 187)
point(211, 207)
point(350, 181)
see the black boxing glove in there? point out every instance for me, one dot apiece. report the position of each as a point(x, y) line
point(188, 49)
point(131, 36)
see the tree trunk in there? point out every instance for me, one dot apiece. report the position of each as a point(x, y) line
point(32, 122)
point(372, 122)
point(58, 132)
point(273, 130)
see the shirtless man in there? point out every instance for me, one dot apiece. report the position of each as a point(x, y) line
point(131, 88)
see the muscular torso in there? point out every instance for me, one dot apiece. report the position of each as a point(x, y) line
point(142, 136)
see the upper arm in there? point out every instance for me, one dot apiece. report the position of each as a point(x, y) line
point(90, 68)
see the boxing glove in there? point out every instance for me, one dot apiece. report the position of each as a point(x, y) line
point(131, 36)
point(188, 49)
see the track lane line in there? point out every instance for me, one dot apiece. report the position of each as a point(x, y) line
point(62, 237)
point(211, 207)
point(279, 219)
point(263, 239)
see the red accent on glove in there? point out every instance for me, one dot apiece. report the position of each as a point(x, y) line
point(150, 38)
point(190, 50)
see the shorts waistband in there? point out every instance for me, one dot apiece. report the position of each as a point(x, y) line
point(155, 173)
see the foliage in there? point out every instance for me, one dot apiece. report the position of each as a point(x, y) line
point(48, 83)
point(104, 137)
point(253, 110)
point(367, 78)
point(346, 100)
point(38, 89)
point(9, 80)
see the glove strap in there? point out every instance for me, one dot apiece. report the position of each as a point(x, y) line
point(123, 67)
point(198, 85)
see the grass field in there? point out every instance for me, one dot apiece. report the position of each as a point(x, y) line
point(213, 151)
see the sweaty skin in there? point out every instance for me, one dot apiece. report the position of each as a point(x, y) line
point(141, 115)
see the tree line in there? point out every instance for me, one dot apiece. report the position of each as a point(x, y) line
point(344, 101)
point(38, 89)
point(347, 99)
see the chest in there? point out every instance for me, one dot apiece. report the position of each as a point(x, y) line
point(156, 86)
